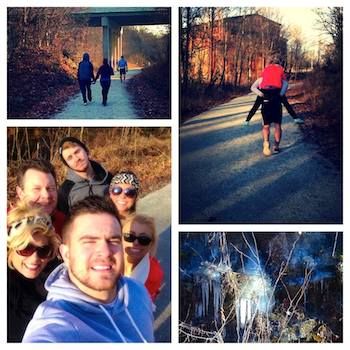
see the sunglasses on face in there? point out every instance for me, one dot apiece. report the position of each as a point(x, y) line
point(143, 240)
point(43, 252)
point(129, 192)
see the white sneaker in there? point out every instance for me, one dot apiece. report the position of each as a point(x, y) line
point(298, 121)
point(266, 149)
point(85, 103)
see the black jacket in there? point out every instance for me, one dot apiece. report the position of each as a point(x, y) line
point(23, 297)
point(86, 69)
point(105, 71)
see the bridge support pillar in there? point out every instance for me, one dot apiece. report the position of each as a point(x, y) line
point(116, 43)
point(119, 43)
point(107, 49)
point(112, 42)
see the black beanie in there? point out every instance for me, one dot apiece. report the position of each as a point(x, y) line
point(70, 139)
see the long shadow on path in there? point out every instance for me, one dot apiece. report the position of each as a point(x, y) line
point(224, 178)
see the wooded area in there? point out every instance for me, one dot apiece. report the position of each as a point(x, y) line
point(276, 287)
point(223, 50)
point(146, 151)
point(323, 88)
point(45, 46)
point(151, 88)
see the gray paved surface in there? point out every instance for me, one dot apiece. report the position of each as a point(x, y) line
point(224, 178)
point(158, 205)
point(119, 104)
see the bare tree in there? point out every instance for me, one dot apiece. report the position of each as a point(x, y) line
point(330, 21)
point(189, 17)
point(242, 292)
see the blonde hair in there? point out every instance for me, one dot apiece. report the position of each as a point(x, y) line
point(148, 221)
point(25, 221)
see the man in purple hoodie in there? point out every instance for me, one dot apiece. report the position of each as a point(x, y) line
point(88, 298)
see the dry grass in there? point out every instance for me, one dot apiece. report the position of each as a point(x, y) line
point(146, 151)
point(318, 99)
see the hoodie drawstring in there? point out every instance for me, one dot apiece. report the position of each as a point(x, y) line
point(91, 192)
point(113, 324)
point(135, 326)
point(118, 330)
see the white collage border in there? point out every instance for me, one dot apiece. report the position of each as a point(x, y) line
point(174, 124)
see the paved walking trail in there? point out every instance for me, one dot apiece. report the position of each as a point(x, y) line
point(158, 205)
point(224, 178)
point(119, 104)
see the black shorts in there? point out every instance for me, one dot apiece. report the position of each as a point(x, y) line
point(122, 71)
point(271, 108)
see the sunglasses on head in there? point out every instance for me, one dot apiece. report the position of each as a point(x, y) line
point(129, 192)
point(43, 252)
point(143, 240)
point(43, 220)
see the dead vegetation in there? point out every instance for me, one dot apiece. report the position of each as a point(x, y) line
point(261, 301)
point(151, 91)
point(146, 151)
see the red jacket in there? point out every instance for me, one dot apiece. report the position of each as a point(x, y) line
point(58, 219)
point(155, 278)
point(272, 75)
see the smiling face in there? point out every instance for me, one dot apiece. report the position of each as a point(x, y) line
point(31, 266)
point(123, 203)
point(93, 254)
point(40, 189)
point(76, 158)
point(134, 251)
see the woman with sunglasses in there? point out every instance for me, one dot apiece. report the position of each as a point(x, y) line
point(140, 244)
point(123, 191)
point(31, 244)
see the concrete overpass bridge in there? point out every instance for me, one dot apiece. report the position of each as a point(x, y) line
point(113, 19)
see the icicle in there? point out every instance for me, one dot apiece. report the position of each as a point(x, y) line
point(238, 312)
point(243, 311)
point(249, 310)
point(238, 318)
point(205, 296)
point(215, 307)
point(199, 310)
point(216, 298)
point(210, 284)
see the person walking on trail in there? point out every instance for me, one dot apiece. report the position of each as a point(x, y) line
point(270, 87)
point(122, 68)
point(89, 300)
point(105, 72)
point(85, 77)
point(284, 100)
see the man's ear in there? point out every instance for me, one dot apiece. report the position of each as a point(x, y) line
point(20, 193)
point(64, 251)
